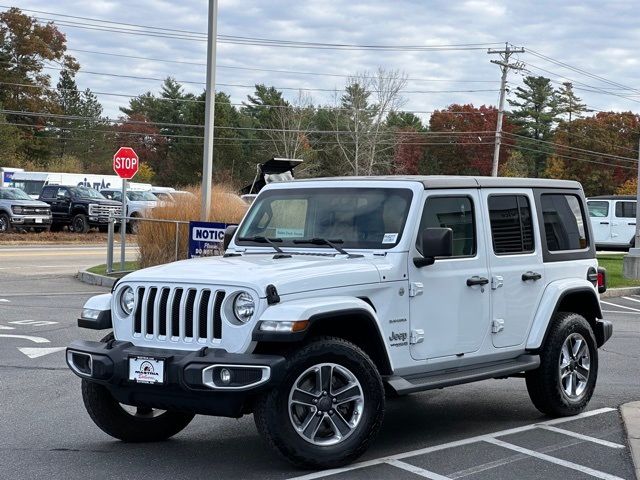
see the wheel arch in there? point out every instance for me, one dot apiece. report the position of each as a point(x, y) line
point(580, 299)
point(352, 319)
point(79, 209)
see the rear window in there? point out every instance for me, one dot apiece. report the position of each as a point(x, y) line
point(511, 225)
point(49, 192)
point(564, 222)
point(598, 209)
point(626, 209)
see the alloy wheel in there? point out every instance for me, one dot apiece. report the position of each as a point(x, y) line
point(574, 365)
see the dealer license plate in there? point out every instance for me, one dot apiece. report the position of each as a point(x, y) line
point(38, 220)
point(146, 370)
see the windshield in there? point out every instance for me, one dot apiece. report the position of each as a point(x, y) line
point(85, 192)
point(30, 187)
point(141, 196)
point(13, 194)
point(598, 209)
point(369, 218)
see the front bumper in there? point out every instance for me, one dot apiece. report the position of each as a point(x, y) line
point(190, 378)
point(31, 220)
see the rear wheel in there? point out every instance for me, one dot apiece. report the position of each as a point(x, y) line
point(566, 378)
point(5, 223)
point(328, 408)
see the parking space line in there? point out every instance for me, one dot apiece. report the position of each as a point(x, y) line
point(417, 470)
point(549, 458)
point(620, 306)
point(620, 312)
point(50, 294)
point(445, 446)
point(582, 437)
point(632, 299)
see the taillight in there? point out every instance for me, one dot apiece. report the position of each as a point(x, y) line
point(602, 280)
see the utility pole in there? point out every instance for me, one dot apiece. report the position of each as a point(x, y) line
point(207, 156)
point(631, 262)
point(505, 55)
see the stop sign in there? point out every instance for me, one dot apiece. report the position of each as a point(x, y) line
point(126, 163)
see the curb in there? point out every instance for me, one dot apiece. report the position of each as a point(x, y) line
point(94, 279)
point(620, 292)
point(631, 419)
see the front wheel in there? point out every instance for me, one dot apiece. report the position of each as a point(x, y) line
point(5, 223)
point(130, 424)
point(80, 224)
point(328, 408)
point(565, 381)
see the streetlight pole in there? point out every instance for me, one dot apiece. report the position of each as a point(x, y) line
point(207, 155)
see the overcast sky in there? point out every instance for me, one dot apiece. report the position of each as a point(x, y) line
point(602, 38)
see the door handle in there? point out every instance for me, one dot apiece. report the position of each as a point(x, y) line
point(531, 276)
point(604, 223)
point(631, 223)
point(475, 280)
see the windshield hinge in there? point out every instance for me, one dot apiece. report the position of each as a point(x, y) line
point(415, 289)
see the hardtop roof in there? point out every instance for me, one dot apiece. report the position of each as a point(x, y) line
point(453, 181)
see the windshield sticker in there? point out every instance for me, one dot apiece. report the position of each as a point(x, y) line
point(289, 232)
point(389, 238)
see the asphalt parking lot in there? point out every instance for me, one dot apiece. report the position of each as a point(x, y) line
point(478, 431)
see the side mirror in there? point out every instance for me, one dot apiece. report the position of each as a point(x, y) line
point(228, 236)
point(433, 243)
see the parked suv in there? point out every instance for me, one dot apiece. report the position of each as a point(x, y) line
point(19, 210)
point(333, 291)
point(139, 204)
point(613, 220)
point(79, 208)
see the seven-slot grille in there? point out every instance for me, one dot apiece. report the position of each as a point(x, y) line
point(177, 312)
point(97, 210)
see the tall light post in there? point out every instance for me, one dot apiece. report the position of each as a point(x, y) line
point(209, 115)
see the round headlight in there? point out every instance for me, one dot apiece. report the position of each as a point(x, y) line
point(127, 300)
point(243, 307)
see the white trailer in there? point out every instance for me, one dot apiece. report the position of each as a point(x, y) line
point(32, 182)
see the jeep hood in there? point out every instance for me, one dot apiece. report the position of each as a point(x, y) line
point(299, 273)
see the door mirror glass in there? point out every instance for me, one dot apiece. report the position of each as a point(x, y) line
point(434, 243)
point(228, 235)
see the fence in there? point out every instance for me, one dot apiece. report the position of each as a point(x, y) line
point(111, 236)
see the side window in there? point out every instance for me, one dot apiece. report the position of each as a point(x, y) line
point(49, 193)
point(598, 209)
point(564, 222)
point(455, 213)
point(63, 193)
point(626, 209)
point(511, 224)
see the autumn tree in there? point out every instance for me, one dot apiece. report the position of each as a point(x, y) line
point(463, 140)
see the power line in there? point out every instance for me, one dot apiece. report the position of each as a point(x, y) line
point(519, 147)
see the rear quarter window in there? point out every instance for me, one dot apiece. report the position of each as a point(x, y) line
point(564, 222)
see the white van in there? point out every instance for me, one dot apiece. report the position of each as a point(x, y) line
point(32, 182)
point(613, 220)
point(6, 175)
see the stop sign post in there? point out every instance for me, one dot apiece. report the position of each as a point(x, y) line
point(125, 164)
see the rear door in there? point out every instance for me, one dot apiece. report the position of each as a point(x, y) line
point(600, 216)
point(515, 263)
point(623, 224)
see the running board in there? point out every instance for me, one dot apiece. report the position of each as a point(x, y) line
point(414, 383)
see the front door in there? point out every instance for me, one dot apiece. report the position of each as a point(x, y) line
point(517, 269)
point(623, 223)
point(600, 215)
point(452, 312)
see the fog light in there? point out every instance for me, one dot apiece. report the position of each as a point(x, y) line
point(225, 376)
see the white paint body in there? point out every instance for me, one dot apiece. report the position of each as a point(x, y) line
point(455, 318)
point(617, 227)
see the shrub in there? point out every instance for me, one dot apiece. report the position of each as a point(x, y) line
point(157, 240)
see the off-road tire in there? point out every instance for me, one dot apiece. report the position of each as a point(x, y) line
point(111, 418)
point(5, 223)
point(543, 384)
point(271, 411)
point(80, 223)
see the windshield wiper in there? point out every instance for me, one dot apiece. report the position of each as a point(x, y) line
point(270, 241)
point(330, 243)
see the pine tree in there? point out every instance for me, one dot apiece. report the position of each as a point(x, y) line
point(569, 106)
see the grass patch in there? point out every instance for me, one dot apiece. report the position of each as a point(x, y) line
point(102, 269)
point(613, 264)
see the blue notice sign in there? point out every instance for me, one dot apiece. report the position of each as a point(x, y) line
point(205, 238)
point(8, 176)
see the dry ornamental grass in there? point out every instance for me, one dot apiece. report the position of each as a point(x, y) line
point(157, 240)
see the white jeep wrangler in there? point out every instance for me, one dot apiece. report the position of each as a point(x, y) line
point(333, 293)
